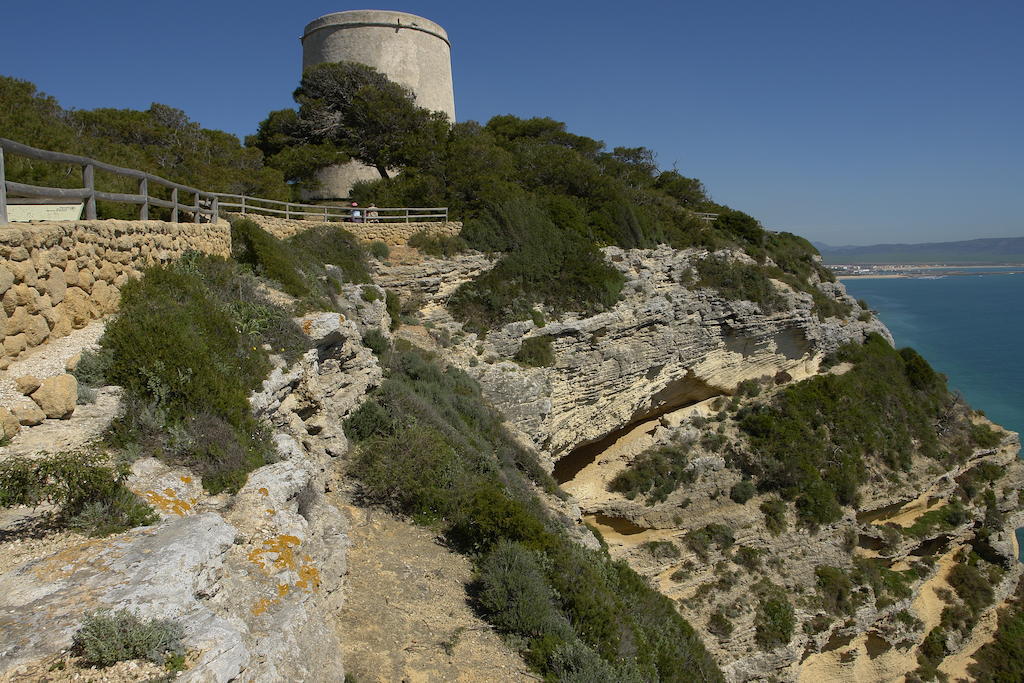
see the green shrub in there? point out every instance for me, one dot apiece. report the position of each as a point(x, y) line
point(441, 246)
point(379, 250)
point(394, 308)
point(369, 294)
point(701, 540)
point(564, 274)
point(187, 347)
point(331, 245)
point(984, 436)
point(747, 557)
point(376, 342)
point(300, 264)
point(775, 619)
point(836, 590)
point(106, 638)
point(514, 592)
point(736, 281)
point(661, 550)
point(92, 367)
point(774, 511)
point(719, 624)
point(655, 473)
point(742, 491)
point(971, 586)
point(536, 352)
point(87, 490)
point(269, 257)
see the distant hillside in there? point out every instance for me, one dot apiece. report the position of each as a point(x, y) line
point(968, 252)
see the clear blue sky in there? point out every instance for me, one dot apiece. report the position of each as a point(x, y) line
point(846, 122)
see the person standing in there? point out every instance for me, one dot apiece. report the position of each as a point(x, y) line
point(355, 213)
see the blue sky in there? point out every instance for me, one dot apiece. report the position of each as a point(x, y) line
point(849, 123)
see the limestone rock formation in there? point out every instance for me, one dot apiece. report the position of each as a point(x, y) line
point(56, 396)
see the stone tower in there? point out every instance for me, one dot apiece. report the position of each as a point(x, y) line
point(410, 50)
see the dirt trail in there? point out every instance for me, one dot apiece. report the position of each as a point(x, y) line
point(406, 617)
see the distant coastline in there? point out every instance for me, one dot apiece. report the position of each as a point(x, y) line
point(889, 272)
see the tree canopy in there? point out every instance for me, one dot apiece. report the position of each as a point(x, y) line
point(161, 140)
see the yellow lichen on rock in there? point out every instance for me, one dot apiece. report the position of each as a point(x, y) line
point(168, 502)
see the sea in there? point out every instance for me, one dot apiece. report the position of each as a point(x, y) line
point(968, 326)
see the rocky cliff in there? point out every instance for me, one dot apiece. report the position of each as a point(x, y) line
point(660, 368)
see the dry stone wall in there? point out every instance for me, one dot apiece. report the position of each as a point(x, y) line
point(391, 234)
point(56, 277)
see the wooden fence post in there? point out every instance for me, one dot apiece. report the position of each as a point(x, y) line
point(144, 207)
point(243, 204)
point(89, 180)
point(3, 190)
point(196, 209)
point(215, 209)
point(287, 210)
point(174, 209)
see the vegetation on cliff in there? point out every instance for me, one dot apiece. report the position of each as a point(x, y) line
point(428, 446)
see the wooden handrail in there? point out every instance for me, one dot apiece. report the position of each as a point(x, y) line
point(246, 205)
point(204, 204)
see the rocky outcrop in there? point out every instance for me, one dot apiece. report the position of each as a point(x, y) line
point(253, 576)
point(661, 347)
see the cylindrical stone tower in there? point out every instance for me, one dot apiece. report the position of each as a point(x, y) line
point(408, 49)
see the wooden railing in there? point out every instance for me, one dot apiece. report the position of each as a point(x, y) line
point(705, 216)
point(203, 205)
point(372, 214)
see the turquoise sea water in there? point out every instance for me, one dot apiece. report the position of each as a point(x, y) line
point(968, 327)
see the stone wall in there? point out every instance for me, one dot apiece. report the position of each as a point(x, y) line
point(392, 234)
point(56, 277)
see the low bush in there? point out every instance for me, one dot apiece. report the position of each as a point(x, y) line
point(971, 586)
point(774, 511)
point(719, 624)
point(835, 589)
point(86, 488)
point(775, 619)
point(187, 347)
point(376, 342)
point(106, 638)
point(379, 250)
point(742, 491)
point(702, 540)
point(736, 281)
point(393, 304)
point(661, 550)
point(536, 352)
point(564, 274)
point(307, 265)
point(441, 246)
point(92, 367)
point(984, 436)
point(655, 473)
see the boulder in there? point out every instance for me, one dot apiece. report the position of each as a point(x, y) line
point(73, 362)
point(9, 424)
point(56, 396)
point(26, 384)
point(27, 413)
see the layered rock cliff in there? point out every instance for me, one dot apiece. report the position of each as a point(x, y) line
point(652, 371)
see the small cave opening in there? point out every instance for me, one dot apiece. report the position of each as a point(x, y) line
point(675, 395)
